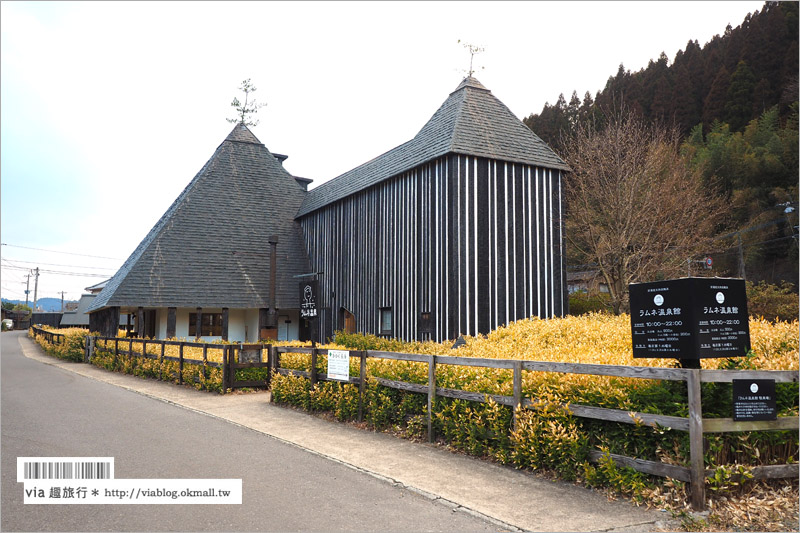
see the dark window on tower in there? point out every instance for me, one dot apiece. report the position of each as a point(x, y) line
point(385, 321)
point(425, 325)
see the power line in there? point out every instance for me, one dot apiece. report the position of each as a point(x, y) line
point(65, 273)
point(735, 249)
point(12, 291)
point(59, 252)
point(56, 264)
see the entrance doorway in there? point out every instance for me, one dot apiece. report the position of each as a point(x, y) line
point(348, 320)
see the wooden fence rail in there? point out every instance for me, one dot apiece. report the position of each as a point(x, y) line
point(694, 424)
point(229, 356)
point(49, 336)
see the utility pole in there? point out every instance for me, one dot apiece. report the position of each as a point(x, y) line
point(27, 287)
point(36, 289)
point(741, 257)
point(62, 301)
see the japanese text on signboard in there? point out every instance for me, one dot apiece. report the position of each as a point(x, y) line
point(308, 299)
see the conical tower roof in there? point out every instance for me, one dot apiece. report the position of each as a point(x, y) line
point(210, 248)
point(470, 122)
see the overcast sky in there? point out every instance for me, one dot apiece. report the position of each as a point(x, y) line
point(109, 109)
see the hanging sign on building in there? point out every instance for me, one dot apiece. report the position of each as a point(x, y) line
point(309, 293)
point(690, 318)
point(754, 399)
point(339, 365)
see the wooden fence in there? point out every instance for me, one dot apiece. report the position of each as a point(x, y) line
point(694, 424)
point(229, 356)
point(49, 336)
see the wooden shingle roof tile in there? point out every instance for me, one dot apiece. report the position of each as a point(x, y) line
point(470, 122)
point(210, 248)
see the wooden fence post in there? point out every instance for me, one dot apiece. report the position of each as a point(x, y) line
point(180, 364)
point(431, 394)
point(116, 352)
point(232, 360)
point(697, 464)
point(205, 360)
point(313, 373)
point(269, 366)
point(161, 361)
point(225, 368)
point(362, 384)
point(517, 393)
point(89, 348)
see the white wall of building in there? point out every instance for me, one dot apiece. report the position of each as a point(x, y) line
point(242, 324)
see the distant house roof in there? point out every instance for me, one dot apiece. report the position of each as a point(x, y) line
point(79, 317)
point(471, 122)
point(210, 248)
point(97, 287)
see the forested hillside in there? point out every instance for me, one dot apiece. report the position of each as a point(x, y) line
point(735, 102)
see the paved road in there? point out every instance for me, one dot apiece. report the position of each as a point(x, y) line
point(47, 411)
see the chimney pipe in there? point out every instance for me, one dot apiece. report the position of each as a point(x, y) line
point(272, 313)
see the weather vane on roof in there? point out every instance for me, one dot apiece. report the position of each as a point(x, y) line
point(247, 108)
point(473, 50)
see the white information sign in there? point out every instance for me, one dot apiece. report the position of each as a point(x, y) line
point(339, 365)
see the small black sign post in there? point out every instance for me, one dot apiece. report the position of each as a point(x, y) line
point(690, 319)
point(754, 399)
point(309, 296)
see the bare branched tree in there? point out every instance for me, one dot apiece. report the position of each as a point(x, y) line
point(635, 209)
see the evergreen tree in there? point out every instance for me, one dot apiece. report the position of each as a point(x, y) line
point(686, 112)
point(714, 104)
point(739, 97)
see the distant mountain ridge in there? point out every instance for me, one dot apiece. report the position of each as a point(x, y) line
point(46, 304)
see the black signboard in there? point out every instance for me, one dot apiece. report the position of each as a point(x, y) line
point(754, 399)
point(690, 318)
point(309, 294)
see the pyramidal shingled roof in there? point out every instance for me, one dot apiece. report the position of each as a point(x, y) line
point(470, 122)
point(210, 248)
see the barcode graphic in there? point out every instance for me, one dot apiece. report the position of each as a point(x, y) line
point(58, 468)
point(67, 470)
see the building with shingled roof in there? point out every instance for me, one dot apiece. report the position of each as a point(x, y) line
point(457, 231)
point(204, 268)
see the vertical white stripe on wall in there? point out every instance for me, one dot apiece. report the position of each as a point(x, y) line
point(538, 249)
point(467, 279)
point(395, 262)
point(446, 250)
point(437, 258)
point(530, 248)
point(490, 229)
point(496, 272)
point(523, 294)
point(549, 245)
point(415, 264)
point(476, 304)
point(458, 240)
point(514, 234)
point(507, 318)
point(561, 268)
